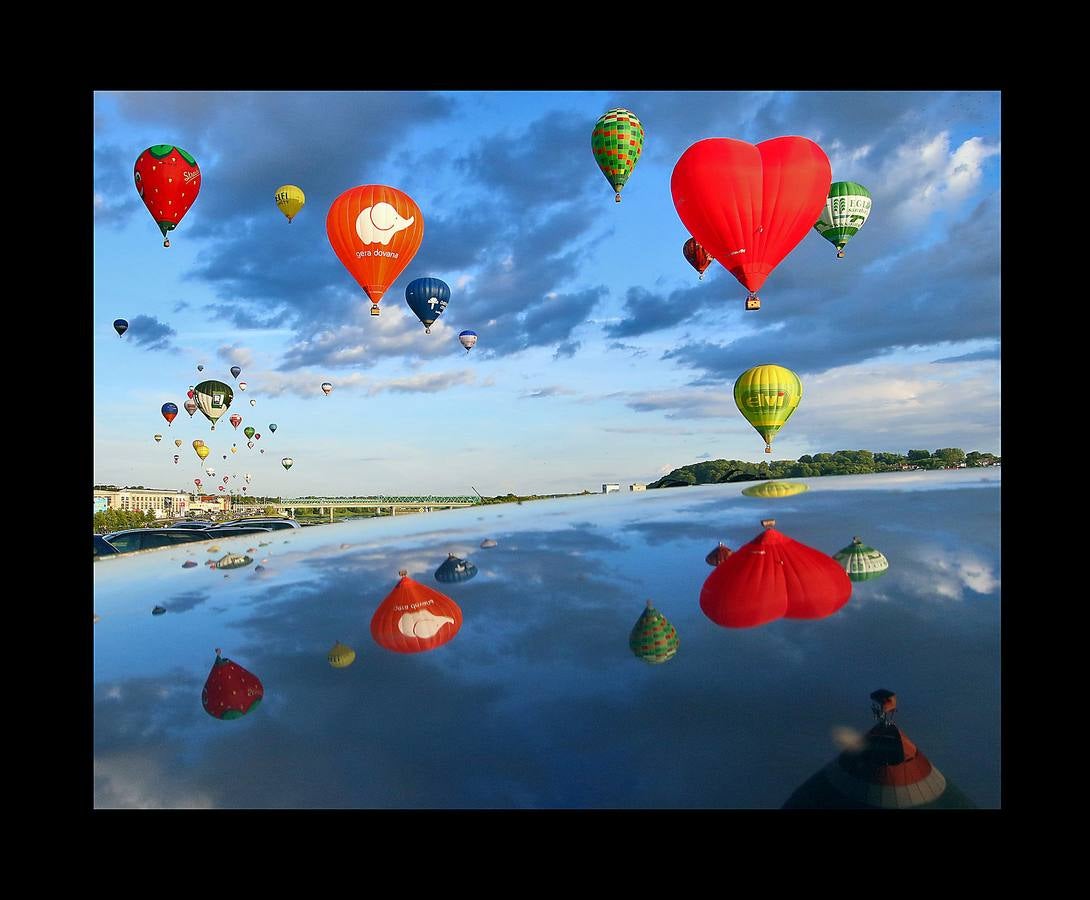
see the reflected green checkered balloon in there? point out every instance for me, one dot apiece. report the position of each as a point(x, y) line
point(617, 142)
point(653, 639)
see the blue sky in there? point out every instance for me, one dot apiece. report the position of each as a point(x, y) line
point(601, 356)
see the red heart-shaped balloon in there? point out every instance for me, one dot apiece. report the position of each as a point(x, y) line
point(749, 206)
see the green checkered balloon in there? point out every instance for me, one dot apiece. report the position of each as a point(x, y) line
point(617, 142)
point(653, 639)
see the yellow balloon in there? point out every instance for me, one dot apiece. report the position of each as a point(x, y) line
point(767, 395)
point(341, 656)
point(203, 451)
point(290, 200)
point(770, 490)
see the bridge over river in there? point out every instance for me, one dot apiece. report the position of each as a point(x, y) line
point(379, 504)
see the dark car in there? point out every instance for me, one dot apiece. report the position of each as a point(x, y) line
point(272, 524)
point(133, 539)
point(211, 534)
point(193, 525)
point(103, 547)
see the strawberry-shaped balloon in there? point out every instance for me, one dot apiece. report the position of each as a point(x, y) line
point(168, 181)
point(230, 691)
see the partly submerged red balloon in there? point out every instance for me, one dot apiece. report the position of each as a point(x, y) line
point(772, 577)
point(718, 555)
point(230, 691)
point(749, 206)
point(414, 617)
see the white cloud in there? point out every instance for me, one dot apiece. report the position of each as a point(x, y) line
point(132, 782)
point(236, 355)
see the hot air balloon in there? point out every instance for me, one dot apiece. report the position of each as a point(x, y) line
point(202, 451)
point(375, 231)
point(771, 577)
point(168, 181)
point(197, 482)
point(414, 618)
point(230, 691)
point(225, 456)
point(200, 367)
point(427, 298)
point(698, 257)
point(198, 443)
point(272, 427)
point(257, 436)
point(749, 206)
point(235, 420)
point(210, 472)
point(454, 570)
point(249, 431)
point(771, 490)
point(287, 462)
point(178, 442)
point(222, 488)
point(341, 656)
point(718, 555)
point(653, 639)
point(327, 388)
point(766, 396)
point(226, 478)
point(487, 544)
point(213, 399)
point(247, 477)
point(617, 142)
point(169, 411)
point(250, 445)
point(468, 339)
point(846, 209)
point(289, 199)
point(191, 407)
point(253, 403)
point(235, 371)
point(242, 385)
point(262, 449)
point(176, 458)
point(862, 563)
point(120, 326)
point(234, 449)
point(159, 437)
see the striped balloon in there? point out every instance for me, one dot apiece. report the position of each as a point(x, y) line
point(617, 142)
point(844, 214)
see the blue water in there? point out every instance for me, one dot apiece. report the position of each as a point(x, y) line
point(538, 701)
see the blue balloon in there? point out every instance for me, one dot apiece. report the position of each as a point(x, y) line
point(120, 326)
point(455, 569)
point(427, 297)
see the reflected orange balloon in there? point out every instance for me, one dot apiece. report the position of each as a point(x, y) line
point(375, 231)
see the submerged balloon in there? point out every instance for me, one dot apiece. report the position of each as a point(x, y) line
point(213, 399)
point(168, 180)
point(653, 639)
point(749, 206)
point(468, 339)
point(230, 691)
point(287, 462)
point(169, 411)
point(375, 231)
point(617, 142)
point(771, 490)
point(697, 256)
point(341, 656)
point(487, 544)
point(718, 555)
point(846, 209)
point(427, 298)
point(289, 200)
point(767, 396)
point(120, 326)
point(771, 577)
point(414, 618)
point(454, 570)
point(862, 563)
point(327, 388)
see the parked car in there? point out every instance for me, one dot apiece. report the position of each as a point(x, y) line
point(193, 524)
point(266, 522)
point(147, 538)
point(103, 547)
point(210, 534)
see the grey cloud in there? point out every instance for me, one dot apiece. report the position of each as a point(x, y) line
point(990, 353)
point(150, 333)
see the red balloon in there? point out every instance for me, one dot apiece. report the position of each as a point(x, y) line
point(774, 576)
point(414, 618)
point(717, 555)
point(235, 420)
point(375, 231)
point(698, 257)
point(749, 206)
point(230, 691)
point(168, 181)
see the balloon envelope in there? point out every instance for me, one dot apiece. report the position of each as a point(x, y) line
point(120, 326)
point(327, 388)
point(468, 339)
point(375, 231)
point(159, 437)
point(213, 399)
point(287, 462)
point(454, 570)
point(272, 427)
point(766, 396)
point(749, 206)
point(235, 371)
point(414, 618)
point(289, 200)
point(653, 639)
point(190, 407)
point(718, 555)
point(341, 656)
point(202, 451)
point(249, 431)
point(230, 690)
point(697, 256)
point(617, 142)
point(427, 298)
point(169, 411)
point(844, 213)
point(771, 490)
point(235, 420)
point(862, 563)
point(168, 181)
point(242, 385)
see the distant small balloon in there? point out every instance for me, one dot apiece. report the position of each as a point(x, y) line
point(272, 427)
point(120, 326)
point(250, 444)
point(253, 403)
point(287, 462)
point(468, 339)
point(235, 370)
point(242, 385)
point(176, 458)
point(190, 407)
point(210, 472)
point(178, 442)
point(159, 437)
point(200, 368)
point(169, 411)
point(327, 388)
point(249, 431)
point(257, 436)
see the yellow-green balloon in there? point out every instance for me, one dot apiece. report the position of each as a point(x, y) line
point(767, 395)
point(770, 490)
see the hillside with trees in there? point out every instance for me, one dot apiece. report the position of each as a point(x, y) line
point(842, 462)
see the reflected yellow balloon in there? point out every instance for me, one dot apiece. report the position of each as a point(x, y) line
point(290, 200)
point(341, 656)
point(767, 396)
point(769, 490)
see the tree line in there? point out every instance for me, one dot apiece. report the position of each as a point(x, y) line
point(842, 462)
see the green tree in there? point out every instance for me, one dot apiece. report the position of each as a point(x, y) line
point(918, 454)
point(950, 456)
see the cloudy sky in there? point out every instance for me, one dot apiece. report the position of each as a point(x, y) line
point(601, 356)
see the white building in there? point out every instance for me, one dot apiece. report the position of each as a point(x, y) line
point(610, 488)
point(163, 504)
point(637, 487)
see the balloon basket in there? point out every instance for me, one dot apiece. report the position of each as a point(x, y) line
point(374, 309)
point(753, 302)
